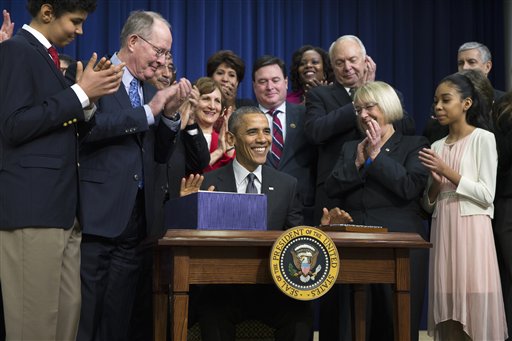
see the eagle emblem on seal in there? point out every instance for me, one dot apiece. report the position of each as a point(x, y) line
point(304, 261)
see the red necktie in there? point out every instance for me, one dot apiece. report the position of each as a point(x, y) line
point(55, 56)
point(277, 137)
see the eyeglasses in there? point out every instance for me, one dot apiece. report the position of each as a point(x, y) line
point(367, 106)
point(159, 52)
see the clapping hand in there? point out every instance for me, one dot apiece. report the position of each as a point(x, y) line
point(99, 79)
point(192, 184)
point(335, 216)
point(370, 70)
point(433, 163)
point(7, 27)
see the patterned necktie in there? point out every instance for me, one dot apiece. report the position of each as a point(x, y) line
point(251, 187)
point(133, 92)
point(277, 138)
point(352, 92)
point(55, 56)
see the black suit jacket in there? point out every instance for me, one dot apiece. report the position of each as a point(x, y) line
point(118, 151)
point(38, 145)
point(386, 193)
point(330, 122)
point(299, 155)
point(283, 207)
point(190, 156)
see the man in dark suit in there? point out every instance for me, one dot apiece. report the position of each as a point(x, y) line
point(119, 160)
point(471, 56)
point(221, 307)
point(294, 155)
point(190, 155)
point(330, 122)
point(39, 234)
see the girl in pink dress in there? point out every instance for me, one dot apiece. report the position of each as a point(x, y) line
point(465, 299)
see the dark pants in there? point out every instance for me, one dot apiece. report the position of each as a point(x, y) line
point(221, 307)
point(502, 226)
point(109, 271)
point(335, 306)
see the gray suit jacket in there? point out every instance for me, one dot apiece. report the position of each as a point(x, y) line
point(283, 207)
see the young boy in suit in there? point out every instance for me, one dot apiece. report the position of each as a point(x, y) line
point(39, 234)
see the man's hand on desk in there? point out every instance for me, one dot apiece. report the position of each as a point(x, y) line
point(192, 184)
point(335, 216)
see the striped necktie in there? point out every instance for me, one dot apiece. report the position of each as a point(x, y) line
point(277, 138)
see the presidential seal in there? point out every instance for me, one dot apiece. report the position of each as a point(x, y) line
point(304, 263)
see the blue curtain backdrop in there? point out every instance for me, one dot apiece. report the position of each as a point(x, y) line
point(414, 43)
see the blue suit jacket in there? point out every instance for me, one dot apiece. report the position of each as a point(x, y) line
point(283, 208)
point(38, 153)
point(299, 155)
point(118, 151)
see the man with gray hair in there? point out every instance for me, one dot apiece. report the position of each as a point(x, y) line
point(330, 122)
point(471, 56)
point(476, 56)
point(132, 136)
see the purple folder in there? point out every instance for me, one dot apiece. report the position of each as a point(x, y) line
point(217, 211)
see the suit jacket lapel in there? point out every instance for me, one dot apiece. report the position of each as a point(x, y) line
point(268, 186)
point(340, 95)
point(226, 178)
point(44, 53)
point(291, 134)
point(392, 143)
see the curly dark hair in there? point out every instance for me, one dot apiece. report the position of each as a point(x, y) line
point(295, 78)
point(61, 6)
point(230, 59)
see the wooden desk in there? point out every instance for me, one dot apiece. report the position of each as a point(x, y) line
point(185, 257)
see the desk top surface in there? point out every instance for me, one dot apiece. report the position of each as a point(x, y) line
point(184, 237)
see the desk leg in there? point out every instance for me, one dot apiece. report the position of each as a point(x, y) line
point(160, 293)
point(179, 313)
point(402, 304)
point(179, 294)
point(359, 319)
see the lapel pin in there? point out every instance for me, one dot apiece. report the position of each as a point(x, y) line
point(387, 149)
point(271, 188)
point(293, 125)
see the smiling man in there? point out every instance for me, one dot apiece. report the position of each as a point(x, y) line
point(222, 306)
point(290, 153)
point(122, 175)
point(39, 233)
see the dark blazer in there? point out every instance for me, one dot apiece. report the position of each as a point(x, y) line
point(190, 156)
point(119, 150)
point(299, 155)
point(38, 147)
point(387, 193)
point(330, 122)
point(283, 207)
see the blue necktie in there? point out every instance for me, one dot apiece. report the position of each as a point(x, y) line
point(133, 92)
